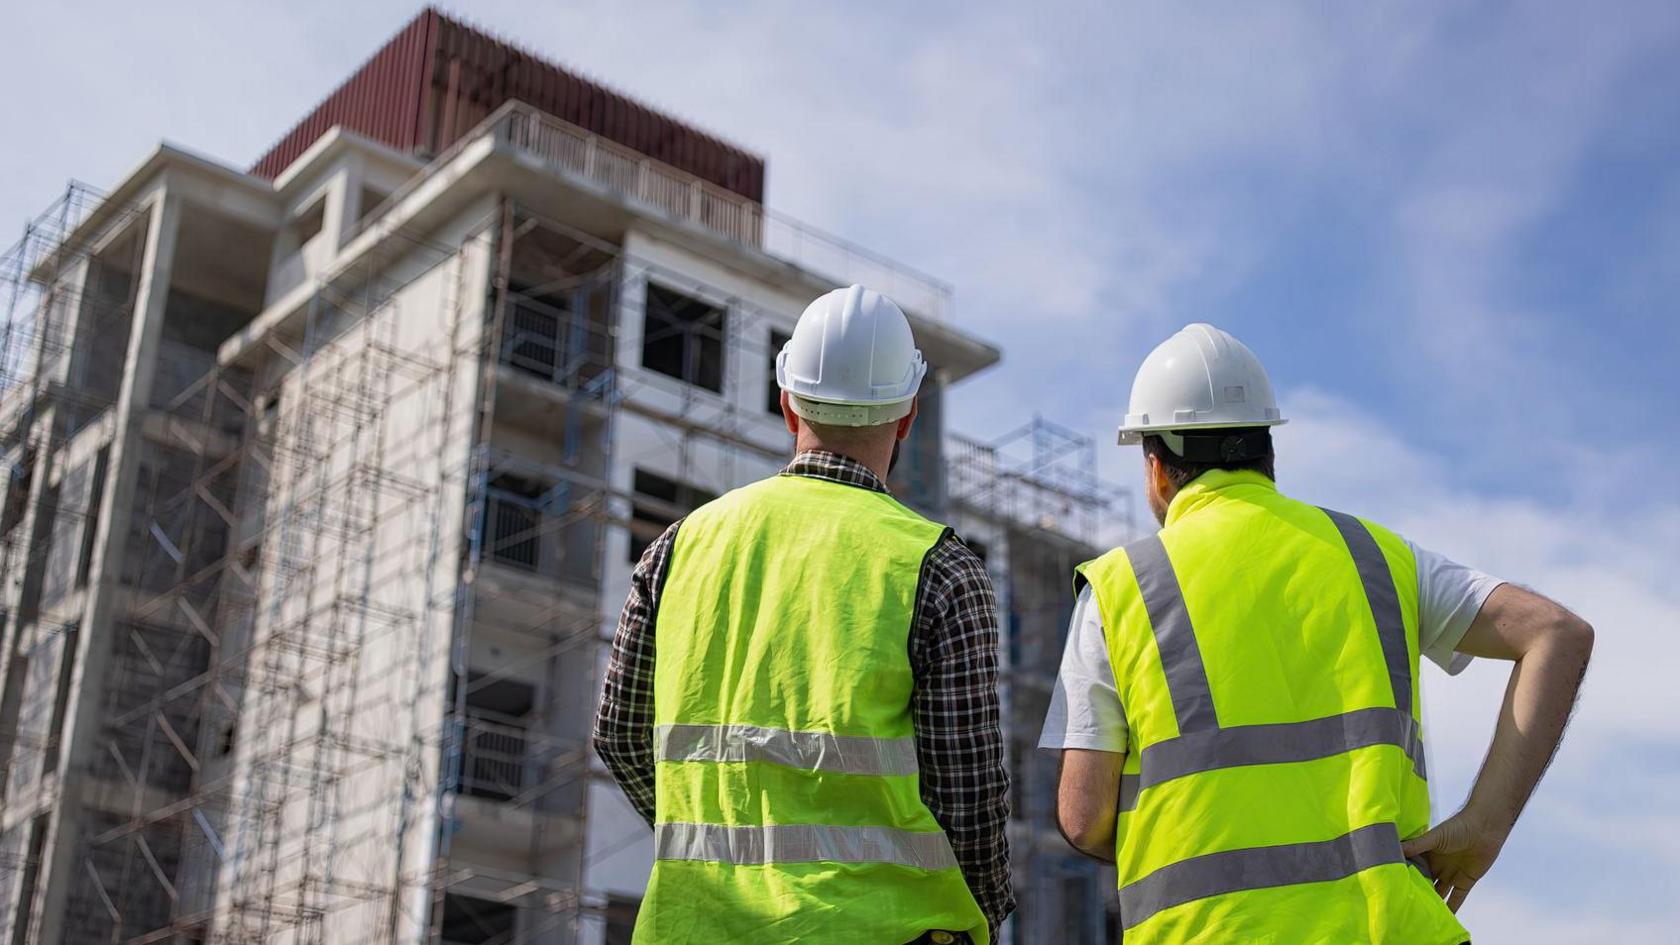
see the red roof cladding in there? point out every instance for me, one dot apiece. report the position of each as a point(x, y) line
point(437, 79)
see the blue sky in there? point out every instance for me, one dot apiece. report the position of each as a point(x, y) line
point(1452, 230)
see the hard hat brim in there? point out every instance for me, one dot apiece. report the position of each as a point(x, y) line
point(1132, 436)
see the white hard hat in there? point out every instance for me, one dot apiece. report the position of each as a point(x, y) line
point(1200, 377)
point(852, 361)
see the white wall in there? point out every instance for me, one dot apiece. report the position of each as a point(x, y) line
point(341, 719)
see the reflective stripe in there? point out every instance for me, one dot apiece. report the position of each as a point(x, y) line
point(1181, 658)
point(1130, 784)
point(808, 751)
point(1384, 600)
point(1274, 743)
point(802, 843)
point(1216, 874)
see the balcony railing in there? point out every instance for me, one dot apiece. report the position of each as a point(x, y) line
point(495, 760)
point(558, 346)
point(502, 759)
point(515, 530)
point(682, 196)
point(539, 535)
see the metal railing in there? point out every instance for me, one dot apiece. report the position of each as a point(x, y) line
point(541, 535)
point(515, 530)
point(496, 762)
point(683, 196)
point(557, 345)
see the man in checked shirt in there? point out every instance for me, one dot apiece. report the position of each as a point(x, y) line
point(802, 695)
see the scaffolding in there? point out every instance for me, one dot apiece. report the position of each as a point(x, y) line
point(57, 347)
point(344, 686)
point(311, 524)
point(1037, 492)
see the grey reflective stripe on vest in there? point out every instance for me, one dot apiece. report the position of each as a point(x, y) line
point(1181, 658)
point(1130, 784)
point(1230, 871)
point(1385, 603)
point(1201, 744)
point(1275, 743)
point(802, 843)
point(807, 751)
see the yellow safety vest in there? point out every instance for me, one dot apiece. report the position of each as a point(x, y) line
point(787, 799)
point(1266, 653)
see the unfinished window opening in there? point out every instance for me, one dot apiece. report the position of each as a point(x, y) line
point(468, 920)
point(307, 225)
point(37, 830)
point(650, 519)
point(621, 919)
point(683, 338)
point(371, 200)
point(19, 475)
point(772, 390)
point(495, 762)
point(90, 529)
point(42, 583)
point(61, 693)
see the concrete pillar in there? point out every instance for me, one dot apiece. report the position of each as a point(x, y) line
point(59, 861)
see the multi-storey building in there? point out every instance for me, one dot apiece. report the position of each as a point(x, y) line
point(322, 485)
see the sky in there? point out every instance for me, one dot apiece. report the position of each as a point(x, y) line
point(1451, 230)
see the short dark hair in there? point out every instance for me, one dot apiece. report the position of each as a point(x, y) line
point(1181, 472)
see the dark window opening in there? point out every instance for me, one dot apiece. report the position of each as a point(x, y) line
point(307, 225)
point(31, 873)
point(371, 201)
point(506, 698)
point(18, 477)
point(471, 921)
point(772, 390)
point(649, 521)
point(683, 337)
point(621, 919)
point(84, 555)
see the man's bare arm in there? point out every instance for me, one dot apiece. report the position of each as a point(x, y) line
point(1550, 647)
point(1087, 796)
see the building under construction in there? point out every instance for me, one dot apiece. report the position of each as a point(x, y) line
point(322, 485)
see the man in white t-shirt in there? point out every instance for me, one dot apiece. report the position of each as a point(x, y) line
point(1237, 705)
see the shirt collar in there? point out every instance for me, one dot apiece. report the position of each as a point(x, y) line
point(832, 467)
point(1213, 485)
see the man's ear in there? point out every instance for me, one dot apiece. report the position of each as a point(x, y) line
point(905, 422)
point(1157, 473)
point(788, 416)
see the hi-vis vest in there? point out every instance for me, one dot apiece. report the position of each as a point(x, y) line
point(788, 807)
point(1266, 653)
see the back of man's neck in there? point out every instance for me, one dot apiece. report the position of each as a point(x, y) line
point(876, 465)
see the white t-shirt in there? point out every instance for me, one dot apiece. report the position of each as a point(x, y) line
point(1085, 707)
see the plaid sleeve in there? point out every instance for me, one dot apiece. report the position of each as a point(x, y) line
point(959, 742)
point(624, 721)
